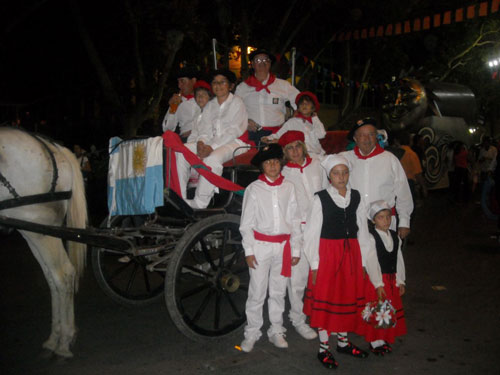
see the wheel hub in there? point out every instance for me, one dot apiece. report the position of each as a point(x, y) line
point(230, 282)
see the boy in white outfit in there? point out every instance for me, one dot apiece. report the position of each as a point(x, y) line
point(272, 239)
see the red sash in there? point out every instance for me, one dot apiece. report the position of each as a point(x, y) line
point(190, 96)
point(286, 268)
point(174, 143)
point(254, 82)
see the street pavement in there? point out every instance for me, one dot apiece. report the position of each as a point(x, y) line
point(452, 308)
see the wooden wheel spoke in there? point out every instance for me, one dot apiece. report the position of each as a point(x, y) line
point(195, 270)
point(206, 252)
point(232, 304)
point(194, 291)
point(217, 311)
point(203, 306)
point(132, 278)
point(146, 279)
point(119, 270)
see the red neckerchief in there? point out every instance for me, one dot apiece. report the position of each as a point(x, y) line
point(277, 182)
point(295, 165)
point(377, 150)
point(190, 96)
point(307, 118)
point(254, 82)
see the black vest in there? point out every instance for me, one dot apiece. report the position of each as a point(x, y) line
point(388, 260)
point(339, 223)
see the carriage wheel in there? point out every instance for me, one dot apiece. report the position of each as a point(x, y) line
point(207, 280)
point(126, 281)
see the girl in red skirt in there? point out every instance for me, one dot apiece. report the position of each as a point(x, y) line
point(335, 236)
point(386, 269)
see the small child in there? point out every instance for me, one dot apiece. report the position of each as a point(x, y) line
point(305, 120)
point(272, 239)
point(308, 177)
point(386, 269)
point(335, 235)
point(202, 95)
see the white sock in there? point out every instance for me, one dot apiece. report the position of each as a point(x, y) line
point(323, 340)
point(342, 340)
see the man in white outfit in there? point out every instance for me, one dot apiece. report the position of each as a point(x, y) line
point(378, 175)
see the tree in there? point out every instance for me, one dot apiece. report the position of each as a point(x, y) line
point(146, 81)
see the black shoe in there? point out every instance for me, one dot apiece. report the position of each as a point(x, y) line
point(353, 350)
point(327, 360)
point(380, 350)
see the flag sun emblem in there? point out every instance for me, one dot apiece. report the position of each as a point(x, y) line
point(139, 160)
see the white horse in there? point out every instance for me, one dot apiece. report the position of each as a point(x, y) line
point(27, 168)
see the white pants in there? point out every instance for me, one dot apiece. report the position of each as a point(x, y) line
point(205, 190)
point(267, 273)
point(296, 286)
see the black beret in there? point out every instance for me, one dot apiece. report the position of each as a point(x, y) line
point(359, 124)
point(231, 77)
point(262, 52)
point(189, 72)
point(272, 151)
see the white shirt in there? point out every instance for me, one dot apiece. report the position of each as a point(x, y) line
point(381, 177)
point(312, 133)
point(489, 156)
point(222, 123)
point(373, 266)
point(196, 128)
point(314, 223)
point(186, 112)
point(308, 182)
point(268, 109)
point(270, 210)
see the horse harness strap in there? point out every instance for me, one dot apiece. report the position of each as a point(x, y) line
point(9, 187)
point(35, 199)
point(51, 196)
point(55, 175)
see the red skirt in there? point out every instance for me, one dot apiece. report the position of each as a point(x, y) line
point(392, 291)
point(335, 302)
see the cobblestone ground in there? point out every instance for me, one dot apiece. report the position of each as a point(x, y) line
point(452, 311)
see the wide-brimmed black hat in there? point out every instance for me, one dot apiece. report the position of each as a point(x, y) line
point(231, 77)
point(359, 124)
point(272, 151)
point(262, 52)
point(189, 72)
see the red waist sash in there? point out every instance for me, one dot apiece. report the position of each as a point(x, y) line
point(286, 268)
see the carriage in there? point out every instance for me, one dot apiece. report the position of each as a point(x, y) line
point(193, 259)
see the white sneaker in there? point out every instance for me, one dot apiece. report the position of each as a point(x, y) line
point(278, 340)
point(306, 332)
point(247, 344)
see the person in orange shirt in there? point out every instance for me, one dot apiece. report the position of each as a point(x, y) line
point(411, 164)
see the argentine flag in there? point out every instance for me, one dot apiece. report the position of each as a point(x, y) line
point(135, 176)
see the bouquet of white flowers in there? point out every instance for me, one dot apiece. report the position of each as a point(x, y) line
point(380, 314)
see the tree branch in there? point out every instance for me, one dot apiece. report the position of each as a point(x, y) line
point(107, 86)
point(141, 81)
